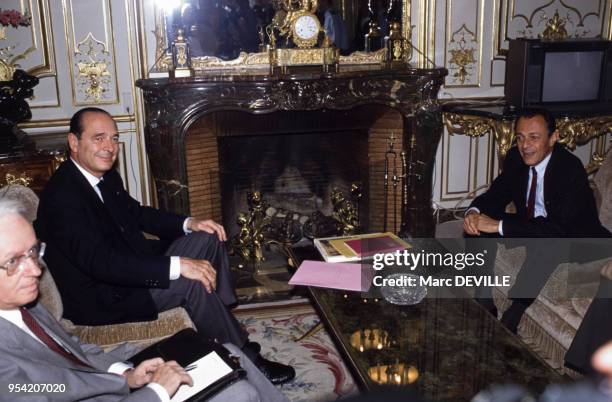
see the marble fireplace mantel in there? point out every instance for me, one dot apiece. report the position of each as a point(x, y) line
point(173, 105)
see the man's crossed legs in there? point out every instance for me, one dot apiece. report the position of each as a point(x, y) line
point(210, 311)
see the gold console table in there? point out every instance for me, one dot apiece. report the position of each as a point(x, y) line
point(478, 119)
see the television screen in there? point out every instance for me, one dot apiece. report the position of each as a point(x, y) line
point(571, 76)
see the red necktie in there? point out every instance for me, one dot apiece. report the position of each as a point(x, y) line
point(39, 331)
point(532, 194)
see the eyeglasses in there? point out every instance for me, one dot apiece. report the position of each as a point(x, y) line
point(15, 263)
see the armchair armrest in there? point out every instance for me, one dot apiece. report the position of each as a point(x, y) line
point(138, 334)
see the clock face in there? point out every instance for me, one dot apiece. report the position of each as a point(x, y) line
point(306, 27)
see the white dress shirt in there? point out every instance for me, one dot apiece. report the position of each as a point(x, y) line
point(175, 261)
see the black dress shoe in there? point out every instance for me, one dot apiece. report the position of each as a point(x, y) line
point(253, 347)
point(277, 373)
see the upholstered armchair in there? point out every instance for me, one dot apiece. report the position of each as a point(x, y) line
point(139, 334)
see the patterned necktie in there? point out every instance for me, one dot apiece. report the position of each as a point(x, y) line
point(532, 194)
point(41, 334)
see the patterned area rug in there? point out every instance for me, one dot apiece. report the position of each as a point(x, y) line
point(320, 372)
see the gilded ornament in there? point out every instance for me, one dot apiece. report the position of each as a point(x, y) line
point(364, 57)
point(581, 131)
point(93, 60)
point(397, 50)
point(595, 163)
point(477, 126)
point(181, 56)
point(93, 72)
point(555, 28)
point(472, 126)
point(23, 179)
point(6, 70)
point(251, 240)
point(463, 46)
point(345, 211)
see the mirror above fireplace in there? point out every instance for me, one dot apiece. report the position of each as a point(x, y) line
point(227, 34)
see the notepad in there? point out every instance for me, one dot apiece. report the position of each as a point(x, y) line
point(332, 275)
point(210, 368)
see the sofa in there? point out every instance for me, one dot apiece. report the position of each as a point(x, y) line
point(138, 334)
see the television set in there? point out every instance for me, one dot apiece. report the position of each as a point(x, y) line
point(564, 75)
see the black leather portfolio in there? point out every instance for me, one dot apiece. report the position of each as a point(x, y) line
point(186, 347)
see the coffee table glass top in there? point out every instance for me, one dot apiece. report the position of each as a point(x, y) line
point(447, 349)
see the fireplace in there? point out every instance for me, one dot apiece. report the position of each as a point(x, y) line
point(296, 159)
point(212, 138)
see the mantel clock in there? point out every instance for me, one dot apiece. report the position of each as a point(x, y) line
point(297, 31)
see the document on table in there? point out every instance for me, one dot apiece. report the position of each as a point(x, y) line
point(209, 369)
point(333, 275)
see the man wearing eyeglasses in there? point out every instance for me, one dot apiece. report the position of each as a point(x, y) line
point(37, 355)
point(106, 270)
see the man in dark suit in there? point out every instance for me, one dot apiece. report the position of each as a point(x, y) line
point(550, 191)
point(108, 272)
point(35, 350)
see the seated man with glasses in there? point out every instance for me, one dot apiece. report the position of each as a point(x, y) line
point(35, 350)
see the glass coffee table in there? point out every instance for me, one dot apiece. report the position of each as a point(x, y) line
point(447, 349)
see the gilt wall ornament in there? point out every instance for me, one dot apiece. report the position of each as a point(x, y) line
point(564, 23)
point(462, 49)
point(555, 28)
point(93, 60)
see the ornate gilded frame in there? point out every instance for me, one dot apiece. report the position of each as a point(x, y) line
point(246, 61)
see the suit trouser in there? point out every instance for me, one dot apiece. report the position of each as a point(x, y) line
point(209, 312)
point(541, 259)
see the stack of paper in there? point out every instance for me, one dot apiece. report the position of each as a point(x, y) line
point(334, 276)
point(209, 369)
point(355, 248)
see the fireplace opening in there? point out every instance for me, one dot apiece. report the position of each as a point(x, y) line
point(295, 159)
point(295, 173)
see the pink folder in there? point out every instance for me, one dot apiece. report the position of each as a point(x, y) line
point(332, 275)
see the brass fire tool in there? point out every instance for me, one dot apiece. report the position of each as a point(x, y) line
point(391, 156)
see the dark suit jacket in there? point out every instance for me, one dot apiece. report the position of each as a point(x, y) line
point(568, 199)
point(96, 251)
point(24, 360)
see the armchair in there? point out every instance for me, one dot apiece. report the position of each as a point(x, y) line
point(139, 334)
